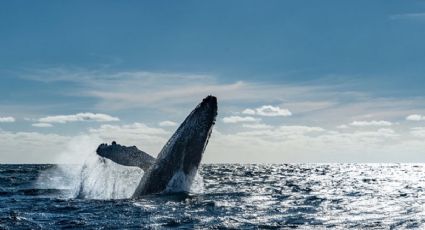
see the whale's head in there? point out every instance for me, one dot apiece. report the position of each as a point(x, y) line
point(186, 147)
point(196, 130)
point(183, 151)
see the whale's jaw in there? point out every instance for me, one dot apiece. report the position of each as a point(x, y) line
point(183, 151)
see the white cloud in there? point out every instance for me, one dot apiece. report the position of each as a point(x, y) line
point(342, 127)
point(30, 147)
point(280, 132)
point(418, 132)
point(7, 119)
point(415, 117)
point(253, 142)
point(257, 126)
point(141, 89)
point(268, 110)
point(146, 138)
point(42, 125)
point(34, 147)
point(312, 144)
point(262, 144)
point(99, 117)
point(176, 91)
point(239, 119)
point(371, 123)
point(249, 112)
point(167, 124)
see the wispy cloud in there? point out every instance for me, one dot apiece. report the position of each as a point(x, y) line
point(283, 143)
point(167, 124)
point(42, 125)
point(418, 132)
point(312, 144)
point(147, 138)
point(30, 147)
point(268, 111)
point(99, 117)
point(371, 123)
point(7, 119)
point(239, 119)
point(136, 89)
point(418, 16)
point(171, 91)
point(257, 126)
point(310, 136)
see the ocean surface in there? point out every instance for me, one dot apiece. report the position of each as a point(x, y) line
point(227, 196)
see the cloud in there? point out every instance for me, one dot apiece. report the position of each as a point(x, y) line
point(167, 124)
point(262, 144)
point(239, 119)
point(141, 89)
point(325, 105)
point(268, 110)
point(290, 131)
point(147, 138)
point(174, 92)
point(257, 126)
point(42, 125)
point(30, 147)
point(415, 117)
point(418, 132)
point(370, 123)
point(99, 117)
point(249, 112)
point(35, 147)
point(416, 16)
point(300, 143)
point(7, 119)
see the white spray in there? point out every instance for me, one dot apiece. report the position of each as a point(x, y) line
point(85, 173)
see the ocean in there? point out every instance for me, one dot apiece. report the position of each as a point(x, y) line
point(227, 196)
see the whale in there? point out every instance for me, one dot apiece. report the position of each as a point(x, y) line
point(182, 154)
point(179, 159)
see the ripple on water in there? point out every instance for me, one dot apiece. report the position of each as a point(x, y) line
point(357, 196)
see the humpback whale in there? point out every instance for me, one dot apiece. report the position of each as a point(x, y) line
point(183, 151)
point(180, 156)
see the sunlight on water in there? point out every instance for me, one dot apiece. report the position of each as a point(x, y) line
point(302, 196)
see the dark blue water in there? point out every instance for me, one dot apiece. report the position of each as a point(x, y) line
point(305, 196)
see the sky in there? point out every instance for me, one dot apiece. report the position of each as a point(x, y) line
point(296, 81)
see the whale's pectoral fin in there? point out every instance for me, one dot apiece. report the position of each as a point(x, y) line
point(127, 156)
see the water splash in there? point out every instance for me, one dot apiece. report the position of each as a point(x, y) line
point(100, 178)
point(192, 183)
point(103, 179)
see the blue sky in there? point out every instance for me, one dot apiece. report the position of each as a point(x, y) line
point(349, 73)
